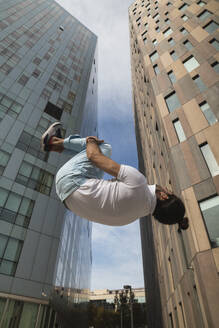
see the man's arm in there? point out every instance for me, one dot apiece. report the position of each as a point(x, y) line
point(99, 160)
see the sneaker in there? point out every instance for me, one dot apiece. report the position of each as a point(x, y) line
point(53, 131)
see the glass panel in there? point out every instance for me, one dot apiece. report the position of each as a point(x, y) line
point(29, 315)
point(13, 202)
point(35, 175)
point(215, 66)
point(173, 55)
point(188, 45)
point(154, 56)
point(3, 109)
point(210, 210)
point(201, 3)
point(167, 32)
point(172, 77)
point(209, 115)
point(18, 232)
point(16, 107)
point(183, 31)
point(190, 64)
point(205, 14)
point(185, 18)
point(183, 7)
point(22, 220)
point(25, 169)
point(172, 102)
point(6, 102)
point(3, 196)
point(215, 44)
point(156, 69)
point(13, 250)
point(2, 306)
point(4, 157)
point(5, 228)
point(210, 159)
point(3, 242)
point(179, 130)
point(171, 41)
point(211, 27)
point(24, 206)
point(7, 267)
point(199, 83)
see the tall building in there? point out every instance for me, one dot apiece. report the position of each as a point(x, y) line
point(102, 296)
point(48, 72)
point(175, 79)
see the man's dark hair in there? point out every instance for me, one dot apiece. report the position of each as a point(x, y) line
point(171, 211)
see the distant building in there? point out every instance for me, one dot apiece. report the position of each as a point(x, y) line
point(106, 297)
point(174, 58)
point(48, 72)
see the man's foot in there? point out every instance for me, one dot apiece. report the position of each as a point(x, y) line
point(53, 131)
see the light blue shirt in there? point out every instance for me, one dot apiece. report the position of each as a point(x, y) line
point(79, 168)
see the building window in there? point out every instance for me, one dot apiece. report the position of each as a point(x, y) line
point(201, 3)
point(9, 106)
point(10, 250)
point(188, 44)
point(211, 27)
point(154, 42)
point(215, 44)
point(179, 130)
point(204, 14)
point(210, 159)
point(154, 56)
point(35, 178)
point(23, 80)
point(199, 83)
point(190, 63)
point(167, 32)
point(4, 158)
point(172, 101)
point(53, 110)
point(31, 145)
point(171, 41)
point(210, 209)
point(184, 17)
point(209, 115)
point(156, 69)
point(171, 76)
point(215, 66)
point(173, 55)
point(16, 212)
point(183, 7)
point(183, 31)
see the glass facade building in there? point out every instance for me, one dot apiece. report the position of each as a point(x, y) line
point(48, 72)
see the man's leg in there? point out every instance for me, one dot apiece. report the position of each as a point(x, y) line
point(103, 162)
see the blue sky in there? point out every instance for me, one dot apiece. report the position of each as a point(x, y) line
point(116, 250)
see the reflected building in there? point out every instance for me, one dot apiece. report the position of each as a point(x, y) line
point(174, 57)
point(48, 72)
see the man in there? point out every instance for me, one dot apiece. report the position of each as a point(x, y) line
point(122, 200)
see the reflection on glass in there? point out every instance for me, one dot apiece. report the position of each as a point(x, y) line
point(210, 212)
point(210, 159)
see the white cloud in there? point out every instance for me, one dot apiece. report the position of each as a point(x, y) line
point(119, 256)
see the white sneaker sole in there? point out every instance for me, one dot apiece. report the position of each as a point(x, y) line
point(50, 132)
